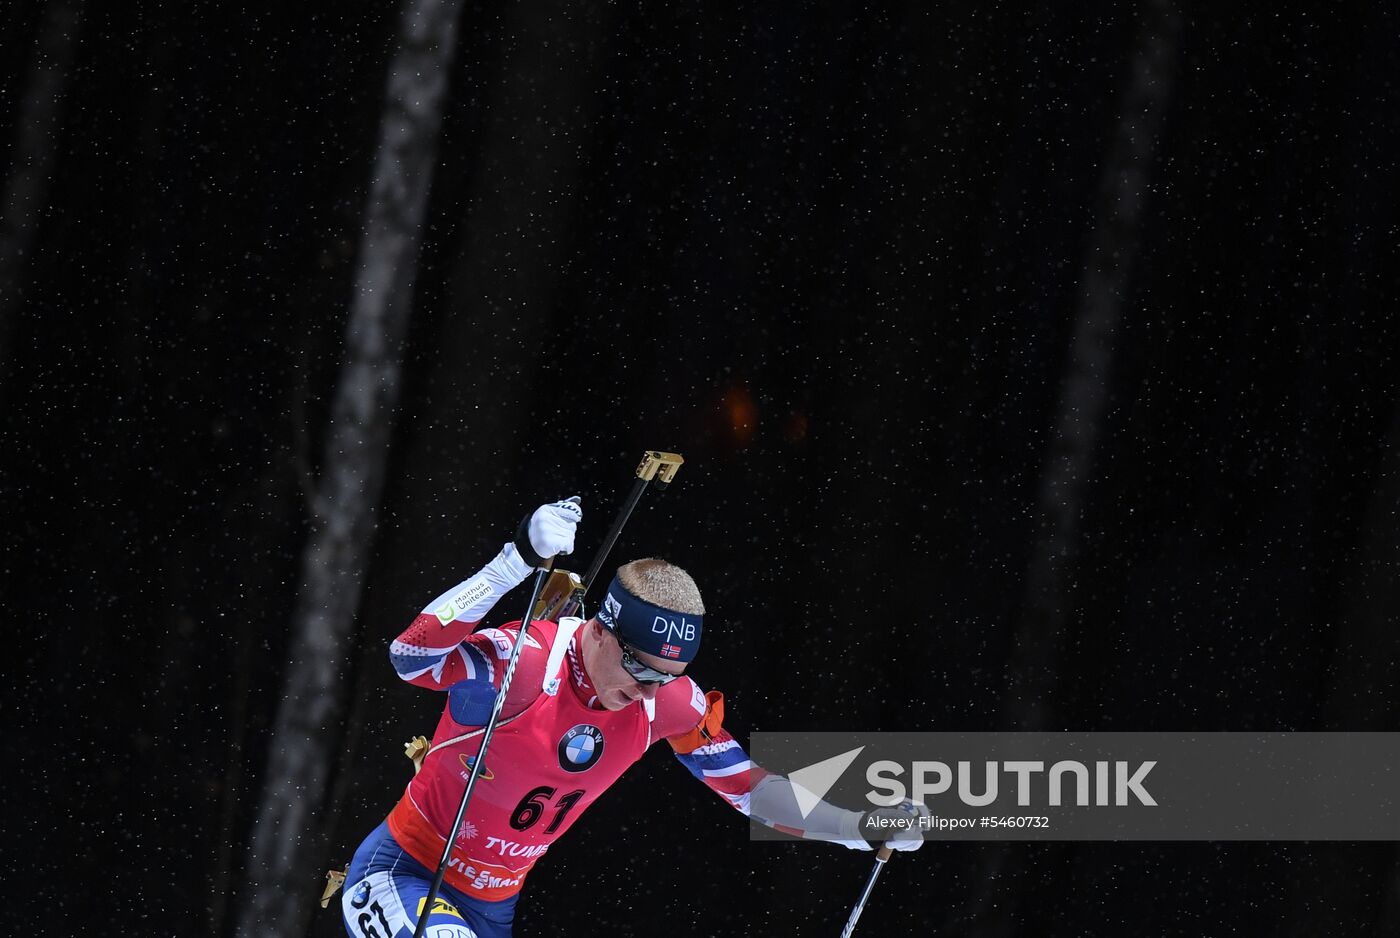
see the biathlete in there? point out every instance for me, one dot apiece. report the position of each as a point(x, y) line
point(586, 701)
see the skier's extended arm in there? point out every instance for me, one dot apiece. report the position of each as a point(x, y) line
point(715, 757)
point(432, 651)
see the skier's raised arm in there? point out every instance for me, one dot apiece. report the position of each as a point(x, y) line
point(432, 651)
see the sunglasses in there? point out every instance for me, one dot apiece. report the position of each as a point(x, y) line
point(642, 673)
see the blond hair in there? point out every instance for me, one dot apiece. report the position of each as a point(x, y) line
point(662, 584)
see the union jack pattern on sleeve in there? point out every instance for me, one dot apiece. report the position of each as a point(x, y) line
point(724, 766)
point(438, 665)
point(726, 769)
point(434, 650)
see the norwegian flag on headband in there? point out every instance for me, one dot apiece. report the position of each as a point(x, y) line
point(648, 627)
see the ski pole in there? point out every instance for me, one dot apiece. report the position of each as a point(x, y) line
point(540, 576)
point(881, 856)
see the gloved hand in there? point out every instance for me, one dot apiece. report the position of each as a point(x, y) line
point(548, 531)
point(901, 829)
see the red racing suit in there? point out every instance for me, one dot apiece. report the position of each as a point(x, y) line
point(553, 753)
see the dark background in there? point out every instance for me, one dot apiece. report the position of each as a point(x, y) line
point(835, 255)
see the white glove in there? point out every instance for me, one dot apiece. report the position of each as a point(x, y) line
point(908, 835)
point(549, 531)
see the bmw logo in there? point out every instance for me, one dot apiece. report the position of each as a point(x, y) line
point(361, 897)
point(580, 748)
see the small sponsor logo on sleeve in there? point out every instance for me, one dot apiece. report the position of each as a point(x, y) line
point(446, 614)
point(475, 592)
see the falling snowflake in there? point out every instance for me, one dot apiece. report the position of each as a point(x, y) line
point(467, 832)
